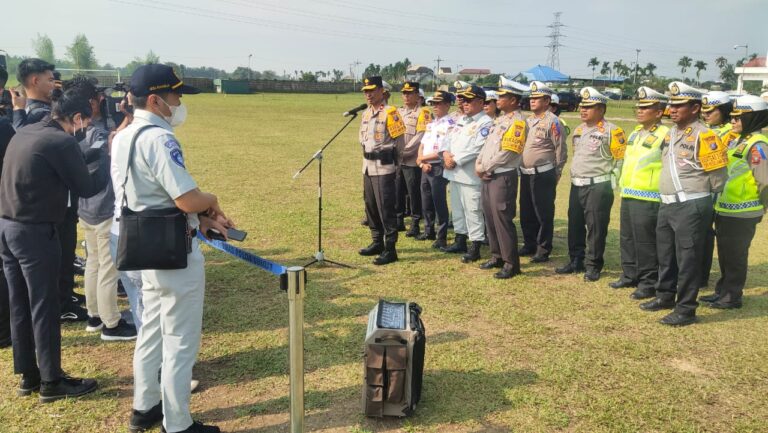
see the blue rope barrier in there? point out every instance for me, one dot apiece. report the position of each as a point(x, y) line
point(243, 255)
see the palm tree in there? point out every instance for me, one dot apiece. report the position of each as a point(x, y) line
point(593, 63)
point(721, 62)
point(684, 63)
point(618, 67)
point(649, 68)
point(606, 69)
point(700, 65)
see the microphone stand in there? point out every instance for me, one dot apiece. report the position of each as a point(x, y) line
point(319, 257)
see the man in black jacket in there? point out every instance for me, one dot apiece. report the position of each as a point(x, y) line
point(36, 76)
point(6, 133)
point(42, 164)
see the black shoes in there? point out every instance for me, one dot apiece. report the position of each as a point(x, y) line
point(78, 299)
point(373, 249)
point(677, 319)
point(507, 271)
point(6, 342)
point(426, 237)
point(540, 258)
point(657, 304)
point(66, 387)
point(459, 245)
point(440, 244)
point(709, 298)
point(400, 225)
point(473, 254)
point(643, 294)
point(413, 231)
point(722, 305)
point(198, 427)
point(94, 324)
point(492, 263)
point(387, 256)
point(526, 251)
point(574, 266)
point(591, 275)
point(121, 332)
point(73, 313)
point(28, 384)
point(143, 421)
point(621, 284)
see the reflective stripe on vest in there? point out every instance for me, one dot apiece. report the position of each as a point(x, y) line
point(740, 193)
point(642, 164)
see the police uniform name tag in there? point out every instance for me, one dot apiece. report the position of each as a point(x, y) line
point(514, 139)
point(618, 143)
point(395, 124)
point(712, 152)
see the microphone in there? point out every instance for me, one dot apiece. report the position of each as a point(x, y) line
point(355, 110)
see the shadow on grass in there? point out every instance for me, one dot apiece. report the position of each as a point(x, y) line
point(445, 399)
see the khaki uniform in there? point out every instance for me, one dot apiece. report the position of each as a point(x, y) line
point(408, 179)
point(597, 152)
point(542, 162)
point(694, 163)
point(500, 158)
point(381, 134)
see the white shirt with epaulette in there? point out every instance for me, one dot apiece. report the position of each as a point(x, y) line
point(158, 174)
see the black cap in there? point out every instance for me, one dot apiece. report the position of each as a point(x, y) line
point(472, 92)
point(156, 78)
point(442, 95)
point(410, 86)
point(370, 83)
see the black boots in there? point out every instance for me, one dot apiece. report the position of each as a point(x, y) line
point(373, 249)
point(473, 254)
point(414, 230)
point(66, 387)
point(389, 255)
point(575, 265)
point(142, 421)
point(459, 245)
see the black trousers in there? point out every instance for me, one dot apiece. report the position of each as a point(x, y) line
point(734, 236)
point(402, 205)
point(537, 210)
point(499, 197)
point(709, 252)
point(67, 230)
point(412, 180)
point(637, 232)
point(31, 255)
point(680, 240)
point(434, 202)
point(5, 309)
point(379, 196)
point(589, 212)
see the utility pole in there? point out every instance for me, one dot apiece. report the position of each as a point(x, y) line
point(554, 45)
point(353, 71)
point(438, 60)
point(249, 66)
point(637, 64)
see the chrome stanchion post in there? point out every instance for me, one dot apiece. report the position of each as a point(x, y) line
point(297, 278)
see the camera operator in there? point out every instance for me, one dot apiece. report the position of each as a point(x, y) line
point(173, 299)
point(36, 76)
point(43, 162)
point(96, 219)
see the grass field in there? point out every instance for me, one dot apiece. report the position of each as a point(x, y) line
point(538, 353)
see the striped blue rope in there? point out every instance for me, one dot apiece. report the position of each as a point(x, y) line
point(243, 255)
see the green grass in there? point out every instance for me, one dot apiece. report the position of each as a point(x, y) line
point(538, 353)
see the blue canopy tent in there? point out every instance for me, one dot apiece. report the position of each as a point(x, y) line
point(545, 74)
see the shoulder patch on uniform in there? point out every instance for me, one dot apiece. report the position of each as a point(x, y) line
point(172, 144)
point(484, 132)
point(177, 157)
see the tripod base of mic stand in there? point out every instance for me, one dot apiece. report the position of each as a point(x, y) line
point(320, 260)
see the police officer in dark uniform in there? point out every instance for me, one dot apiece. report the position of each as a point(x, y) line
point(381, 133)
point(693, 168)
point(416, 119)
point(42, 164)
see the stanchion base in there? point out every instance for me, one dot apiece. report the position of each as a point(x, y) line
point(320, 260)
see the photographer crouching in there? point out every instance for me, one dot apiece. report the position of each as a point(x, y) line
point(149, 173)
point(42, 164)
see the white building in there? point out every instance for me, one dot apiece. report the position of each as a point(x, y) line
point(753, 70)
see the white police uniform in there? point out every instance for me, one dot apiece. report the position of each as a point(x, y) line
point(158, 176)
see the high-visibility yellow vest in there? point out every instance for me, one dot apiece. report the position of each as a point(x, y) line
point(740, 193)
point(725, 132)
point(642, 164)
point(565, 126)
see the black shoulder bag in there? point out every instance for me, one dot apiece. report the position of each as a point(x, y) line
point(152, 238)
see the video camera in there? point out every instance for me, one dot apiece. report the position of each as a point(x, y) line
point(113, 97)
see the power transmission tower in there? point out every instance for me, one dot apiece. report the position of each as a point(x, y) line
point(554, 45)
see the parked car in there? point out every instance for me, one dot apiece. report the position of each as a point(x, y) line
point(569, 101)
